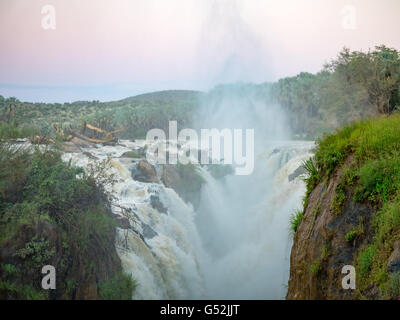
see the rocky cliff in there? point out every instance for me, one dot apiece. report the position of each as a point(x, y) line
point(351, 216)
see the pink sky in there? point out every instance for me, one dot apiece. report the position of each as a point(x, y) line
point(111, 49)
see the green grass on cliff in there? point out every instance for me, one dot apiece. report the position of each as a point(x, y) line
point(369, 154)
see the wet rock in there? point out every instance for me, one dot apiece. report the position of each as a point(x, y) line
point(121, 222)
point(131, 154)
point(394, 259)
point(170, 177)
point(148, 231)
point(90, 156)
point(145, 172)
point(157, 204)
point(70, 147)
point(299, 171)
point(186, 184)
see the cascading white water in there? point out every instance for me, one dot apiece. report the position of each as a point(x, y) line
point(244, 221)
point(160, 250)
point(236, 245)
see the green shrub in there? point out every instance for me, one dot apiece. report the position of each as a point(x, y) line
point(387, 220)
point(378, 180)
point(365, 260)
point(36, 252)
point(9, 269)
point(350, 236)
point(120, 287)
point(37, 185)
point(311, 178)
point(295, 220)
point(392, 286)
point(12, 131)
point(316, 266)
point(338, 200)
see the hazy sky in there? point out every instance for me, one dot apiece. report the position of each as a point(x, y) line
point(111, 49)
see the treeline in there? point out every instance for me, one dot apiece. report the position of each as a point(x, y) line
point(355, 85)
point(136, 115)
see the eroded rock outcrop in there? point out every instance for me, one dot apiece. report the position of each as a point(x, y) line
point(320, 249)
point(145, 172)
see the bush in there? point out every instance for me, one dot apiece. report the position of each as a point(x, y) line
point(120, 287)
point(378, 180)
point(35, 186)
point(365, 260)
point(295, 220)
point(350, 236)
point(339, 199)
point(12, 131)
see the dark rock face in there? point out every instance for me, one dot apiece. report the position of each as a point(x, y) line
point(394, 260)
point(170, 177)
point(157, 204)
point(121, 222)
point(145, 172)
point(148, 231)
point(320, 249)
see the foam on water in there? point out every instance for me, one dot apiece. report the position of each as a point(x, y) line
point(236, 244)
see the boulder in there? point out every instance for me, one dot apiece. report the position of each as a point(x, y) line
point(170, 177)
point(90, 156)
point(145, 172)
point(148, 231)
point(131, 154)
point(157, 204)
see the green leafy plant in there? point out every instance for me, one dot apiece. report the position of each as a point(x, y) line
point(120, 287)
point(295, 220)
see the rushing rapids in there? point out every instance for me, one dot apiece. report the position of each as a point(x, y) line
point(236, 244)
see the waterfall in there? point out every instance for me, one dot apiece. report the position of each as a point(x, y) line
point(244, 221)
point(235, 245)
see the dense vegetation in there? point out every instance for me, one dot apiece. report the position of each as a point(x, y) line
point(354, 86)
point(369, 154)
point(53, 213)
point(136, 115)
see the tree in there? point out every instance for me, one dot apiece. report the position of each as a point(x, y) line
point(377, 72)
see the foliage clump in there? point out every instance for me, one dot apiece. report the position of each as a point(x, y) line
point(42, 199)
point(120, 287)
